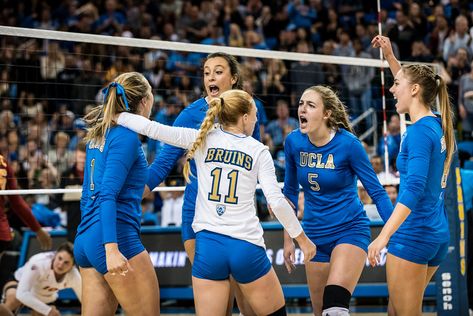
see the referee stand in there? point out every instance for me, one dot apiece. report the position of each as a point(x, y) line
point(450, 279)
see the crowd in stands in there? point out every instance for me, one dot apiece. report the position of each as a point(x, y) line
point(47, 86)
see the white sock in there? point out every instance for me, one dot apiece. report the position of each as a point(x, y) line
point(335, 311)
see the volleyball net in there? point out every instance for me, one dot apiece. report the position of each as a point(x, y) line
point(50, 79)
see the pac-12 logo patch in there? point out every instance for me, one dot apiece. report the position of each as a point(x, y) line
point(220, 209)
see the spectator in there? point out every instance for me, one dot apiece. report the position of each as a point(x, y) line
point(392, 191)
point(457, 38)
point(358, 82)
point(59, 155)
point(393, 139)
point(274, 84)
point(112, 21)
point(282, 125)
point(80, 129)
point(403, 34)
point(436, 38)
point(465, 98)
point(458, 65)
point(385, 177)
point(72, 179)
point(303, 73)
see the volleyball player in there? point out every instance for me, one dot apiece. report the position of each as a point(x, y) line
point(37, 283)
point(229, 237)
point(114, 265)
point(326, 159)
point(417, 232)
point(220, 73)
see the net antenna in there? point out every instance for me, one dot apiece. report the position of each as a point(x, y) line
point(383, 100)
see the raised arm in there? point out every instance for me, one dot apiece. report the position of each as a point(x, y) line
point(385, 44)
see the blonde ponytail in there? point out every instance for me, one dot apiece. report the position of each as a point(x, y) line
point(447, 127)
point(215, 107)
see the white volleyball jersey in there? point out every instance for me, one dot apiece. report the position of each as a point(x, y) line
point(228, 168)
point(37, 284)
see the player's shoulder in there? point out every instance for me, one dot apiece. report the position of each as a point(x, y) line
point(197, 105)
point(41, 261)
point(295, 135)
point(122, 134)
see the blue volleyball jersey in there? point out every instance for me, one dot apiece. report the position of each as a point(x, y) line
point(328, 175)
point(191, 117)
point(420, 164)
point(114, 179)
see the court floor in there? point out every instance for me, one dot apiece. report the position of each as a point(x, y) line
point(295, 307)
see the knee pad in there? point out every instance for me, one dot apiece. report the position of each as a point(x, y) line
point(279, 312)
point(336, 296)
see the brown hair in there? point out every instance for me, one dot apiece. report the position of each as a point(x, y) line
point(67, 247)
point(339, 116)
point(100, 119)
point(228, 109)
point(432, 85)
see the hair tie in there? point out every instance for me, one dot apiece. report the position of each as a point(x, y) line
point(437, 80)
point(188, 160)
point(120, 91)
point(222, 101)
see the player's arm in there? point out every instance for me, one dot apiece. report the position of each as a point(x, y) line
point(172, 135)
point(31, 275)
point(24, 212)
point(291, 184)
point(419, 146)
point(280, 205)
point(365, 172)
point(122, 153)
point(168, 155)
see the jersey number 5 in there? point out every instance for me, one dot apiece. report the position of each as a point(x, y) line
point(231, 197)
point(314, 185)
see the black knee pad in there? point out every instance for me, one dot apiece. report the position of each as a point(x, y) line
point(336, 296)
point(279, 312)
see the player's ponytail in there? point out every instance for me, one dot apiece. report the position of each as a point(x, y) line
point(215, 107)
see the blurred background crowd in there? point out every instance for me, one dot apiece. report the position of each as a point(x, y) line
point(47, 86)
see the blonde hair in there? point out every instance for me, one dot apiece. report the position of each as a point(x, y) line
point(339, 115)
point(100, 118)
point(432, 85)
point(228, 109)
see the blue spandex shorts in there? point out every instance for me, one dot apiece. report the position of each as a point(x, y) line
point(355, 236)
point(186, 227)
point(218, 256)
point(90, 252)
point(431, 254)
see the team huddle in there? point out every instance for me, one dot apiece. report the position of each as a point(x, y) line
point(222, 235)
